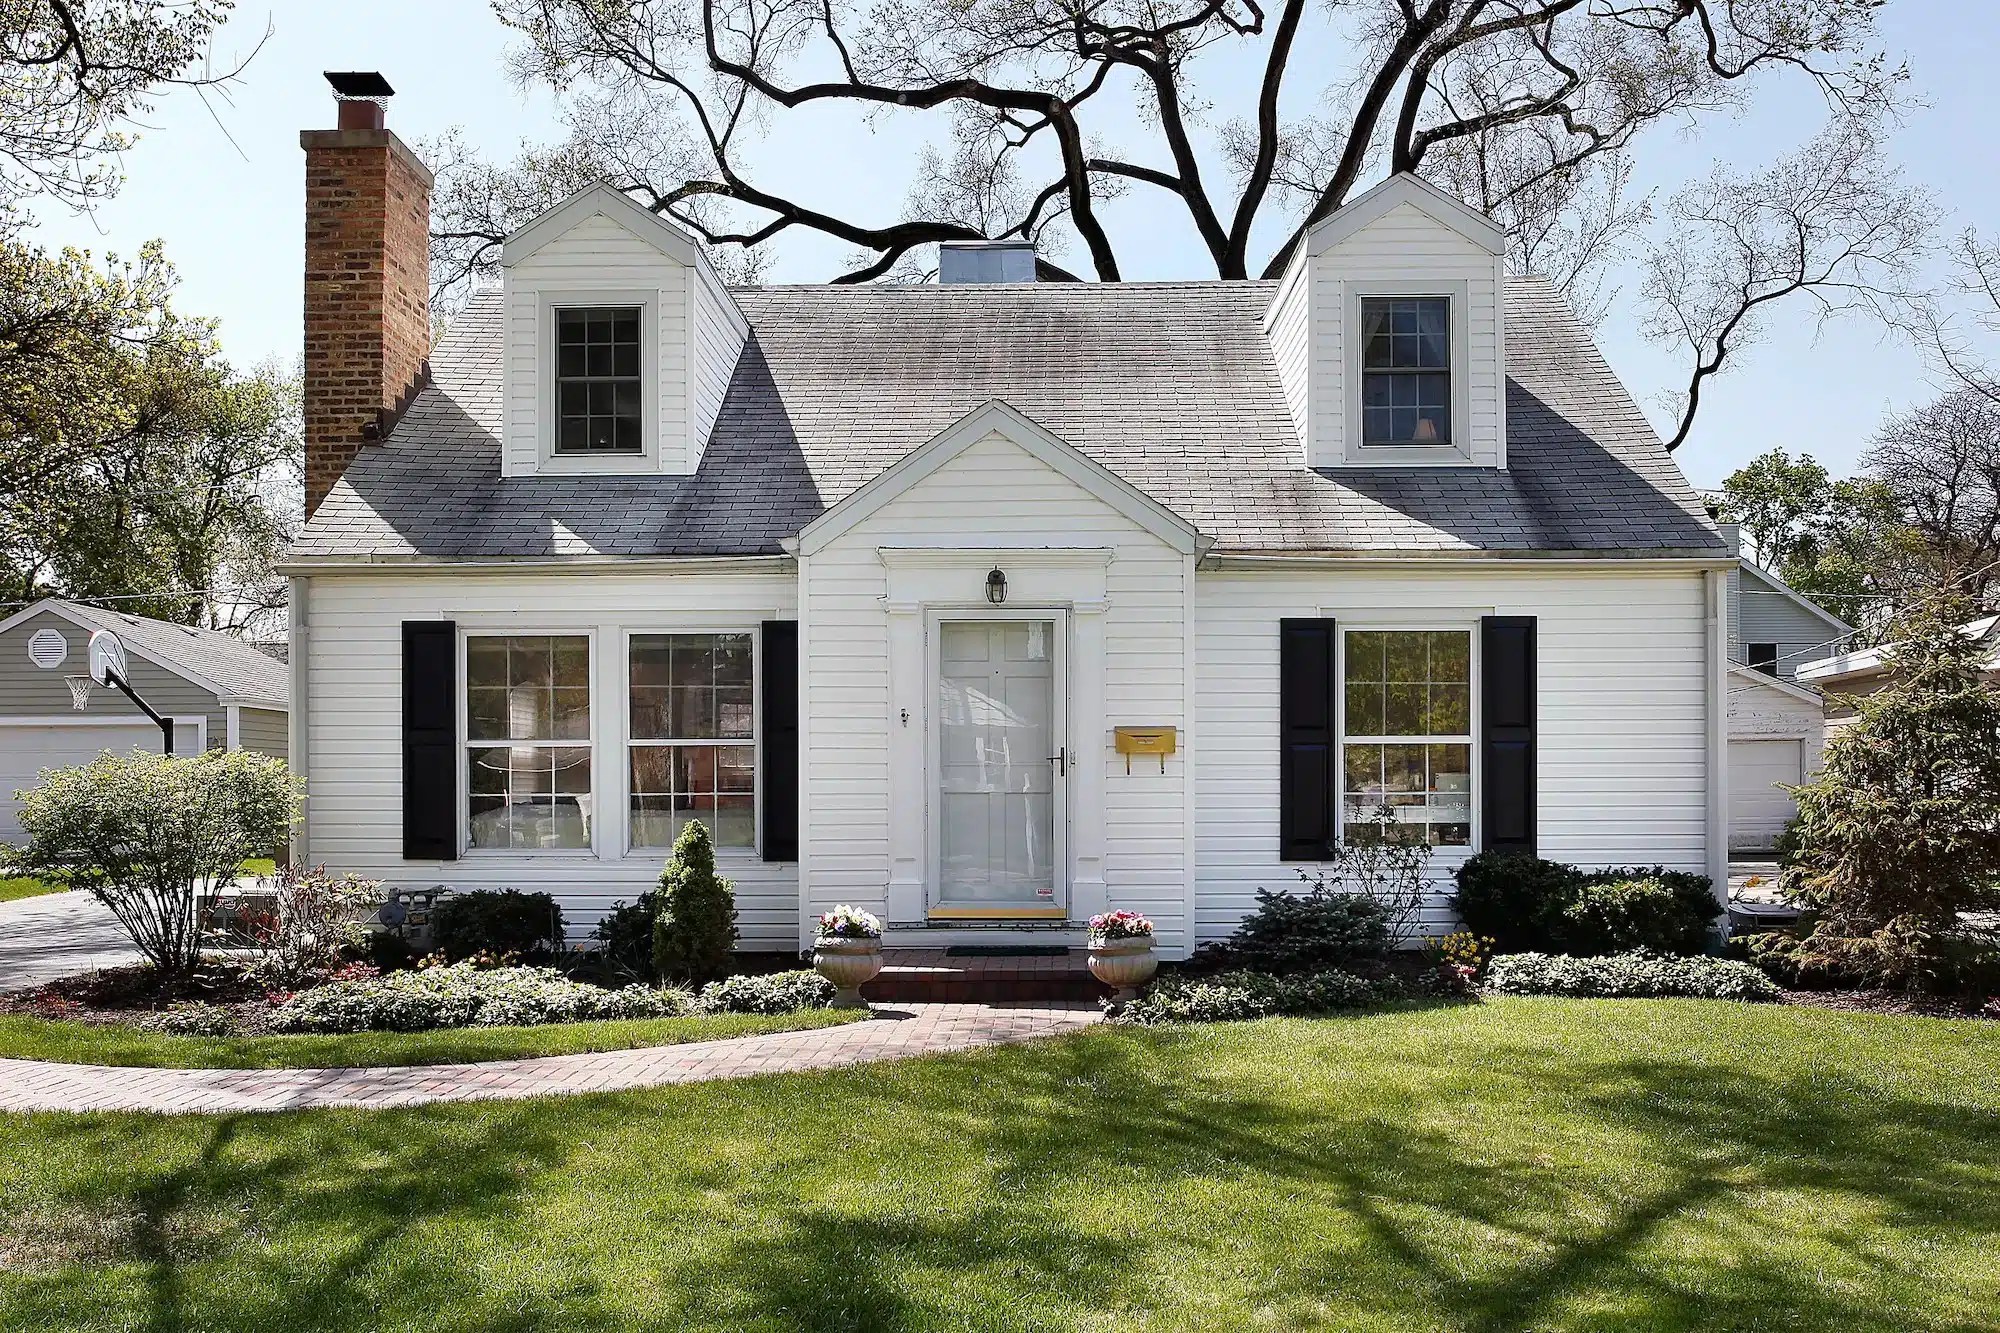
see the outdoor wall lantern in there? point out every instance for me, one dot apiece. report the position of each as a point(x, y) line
point(996, 587)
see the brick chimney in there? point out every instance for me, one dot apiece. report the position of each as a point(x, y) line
point(367, 294)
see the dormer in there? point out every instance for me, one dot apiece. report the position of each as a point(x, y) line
point(1388, 330)
point(621, 339)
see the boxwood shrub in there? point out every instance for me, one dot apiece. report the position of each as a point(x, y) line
point(1526, 904)
point(462, 995)
point(501, 922)
point(1230, 996)
point(1638, 974)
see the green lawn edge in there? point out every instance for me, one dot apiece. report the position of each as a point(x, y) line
point(16, 887)
point(23, 1037)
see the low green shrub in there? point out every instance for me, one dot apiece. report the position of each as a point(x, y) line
point(772, 993)
point(625, 934)
point(1319, 929)
point(193, 1018)
point(462, 995)
point(1897, 957)
point(1526, 904)
point(1233, 996)
point(504, 922)
point(1638, 974)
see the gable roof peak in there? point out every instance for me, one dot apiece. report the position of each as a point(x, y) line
point(600, 199)
point(1402, 188)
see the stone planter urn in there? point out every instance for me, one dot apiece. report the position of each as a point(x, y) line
point(1124, 964)
point(849, 965)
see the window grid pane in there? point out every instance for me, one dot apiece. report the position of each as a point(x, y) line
point(1406, 370)
point(692, 724)
point(598, 394)
point(1407, 753)
point(525, 697)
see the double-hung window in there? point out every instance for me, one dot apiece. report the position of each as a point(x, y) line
point(1406, 746)
point(598, 388)
point(693, 738)
point(1405, 370)
point(527, 741)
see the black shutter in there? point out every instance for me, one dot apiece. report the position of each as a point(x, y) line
point(1507, 653)
point(430, 740)
point(779, 780)
point(1308, 749)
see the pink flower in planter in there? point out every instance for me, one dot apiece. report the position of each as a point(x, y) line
point(1120, 925)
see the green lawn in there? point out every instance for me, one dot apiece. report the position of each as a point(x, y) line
point(20, 886)
point(82, 1043)
point(1526, 1164)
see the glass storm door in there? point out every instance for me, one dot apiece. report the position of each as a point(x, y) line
point(1000, 764)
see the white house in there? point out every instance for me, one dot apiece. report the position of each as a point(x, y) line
point(985, 605)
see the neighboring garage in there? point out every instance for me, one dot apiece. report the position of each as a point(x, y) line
point(1775, 737)
point(221, 693)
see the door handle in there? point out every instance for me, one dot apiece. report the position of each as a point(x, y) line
point(1061, 760)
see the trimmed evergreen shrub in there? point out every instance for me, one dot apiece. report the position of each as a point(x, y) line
point(463, 995)
point(1312, 931)
point(771, 993)
point(1231, 996)
point(1526, 904)
point(625, 934)
point(1639, 974)
point(694, 931)
point(501, 922)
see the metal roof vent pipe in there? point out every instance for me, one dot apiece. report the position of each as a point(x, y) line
point(986, 261)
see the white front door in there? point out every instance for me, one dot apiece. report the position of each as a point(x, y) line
point(1000, 761)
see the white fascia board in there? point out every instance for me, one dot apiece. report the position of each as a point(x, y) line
point(1393, 193)
point(996, 417)
point(1786, 687)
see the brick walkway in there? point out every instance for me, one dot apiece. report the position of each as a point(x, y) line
point(904, 1030)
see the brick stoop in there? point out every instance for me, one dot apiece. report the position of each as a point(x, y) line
point(931, 976)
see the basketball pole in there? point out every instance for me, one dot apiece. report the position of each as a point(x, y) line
point(165, 725)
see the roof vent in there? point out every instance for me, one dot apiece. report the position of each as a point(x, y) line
point(986, 261)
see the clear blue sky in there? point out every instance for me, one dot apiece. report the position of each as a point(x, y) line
point(228, 205)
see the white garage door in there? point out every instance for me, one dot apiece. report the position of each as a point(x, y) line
point(27, 749)
point(1758, 810)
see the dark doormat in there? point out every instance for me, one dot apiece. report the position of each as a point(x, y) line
point(1005, 951)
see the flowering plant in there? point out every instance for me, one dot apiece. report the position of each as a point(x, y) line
point(847, 922)
point(1120, 925)
point(1462, 949)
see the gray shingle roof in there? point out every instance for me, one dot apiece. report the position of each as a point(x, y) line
point(1169, 385)
point(238, 670)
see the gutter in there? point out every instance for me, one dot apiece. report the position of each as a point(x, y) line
point(573, 564)
point(1677, 560)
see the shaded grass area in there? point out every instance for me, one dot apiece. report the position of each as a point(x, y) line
point(1524, 1164)
point(22, 886)
point(29, 1038)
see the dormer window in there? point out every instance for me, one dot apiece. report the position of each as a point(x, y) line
point(598, 387)
point(1406, 370)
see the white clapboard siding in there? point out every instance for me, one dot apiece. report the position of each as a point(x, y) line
point(1290, 332)
point(355, 726)
point(995, 493)
point(1622, 713)
point(1404, 245)
point(597, 255)
point(717, 345)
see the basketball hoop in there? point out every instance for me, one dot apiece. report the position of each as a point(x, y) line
point(79, 691)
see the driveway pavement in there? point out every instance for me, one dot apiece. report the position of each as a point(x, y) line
point(58, 935)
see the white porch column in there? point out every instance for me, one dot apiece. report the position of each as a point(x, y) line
point(909, 711)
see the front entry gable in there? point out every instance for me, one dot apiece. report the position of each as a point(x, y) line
point(991, 419)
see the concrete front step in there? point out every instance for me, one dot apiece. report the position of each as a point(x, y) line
point(936, 976)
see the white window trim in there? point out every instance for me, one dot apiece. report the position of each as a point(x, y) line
point(754, 852)
point(1406, 624)
point(647, 460)
point(592, 742)
point(1457, 292)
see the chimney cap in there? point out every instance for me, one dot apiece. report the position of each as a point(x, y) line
point(358, 84)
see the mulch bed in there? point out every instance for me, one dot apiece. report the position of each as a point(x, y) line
point(1895, 1002)
point(121, 996)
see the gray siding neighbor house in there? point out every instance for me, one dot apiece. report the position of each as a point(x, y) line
point(1776, 718)
point(221, 693)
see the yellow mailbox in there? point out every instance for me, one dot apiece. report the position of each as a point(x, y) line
point(1144, 740)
